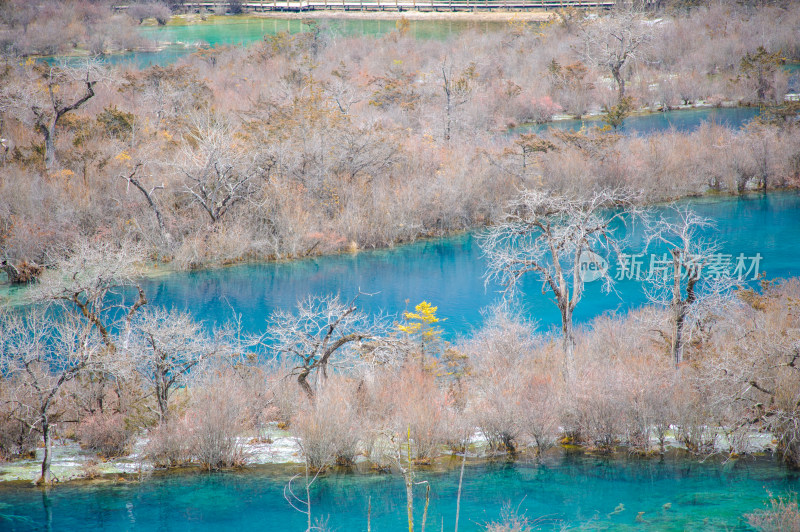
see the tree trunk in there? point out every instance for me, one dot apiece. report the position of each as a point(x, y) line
point(616, 72)
point(308, 500)
point(677, 343)
point(48, 450)
point(680, 305)
point(302, 380)
point(447, 117)
point(568, 345)
point(460, 482)
point(150, 201)
point(410, 500)
point(49, 134)
point(162, 397)
point(425, 511)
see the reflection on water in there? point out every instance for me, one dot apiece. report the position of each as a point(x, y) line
point(599, 493)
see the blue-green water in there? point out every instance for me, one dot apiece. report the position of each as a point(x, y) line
point(179, 41)
point(449, 273)
point(680, 120)
point(576, 490)
point(243, 31)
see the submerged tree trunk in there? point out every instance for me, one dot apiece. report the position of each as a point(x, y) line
point(460, 482)
point(410, 500)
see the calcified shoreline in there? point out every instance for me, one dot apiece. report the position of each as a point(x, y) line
point(275, 446)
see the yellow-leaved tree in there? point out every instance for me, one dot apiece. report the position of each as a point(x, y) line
point(447, 362)
point(420, 325)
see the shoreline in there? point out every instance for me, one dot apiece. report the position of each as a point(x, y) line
point(72, 465)
point(12, 294)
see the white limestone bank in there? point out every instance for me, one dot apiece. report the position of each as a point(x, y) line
point(275, 446)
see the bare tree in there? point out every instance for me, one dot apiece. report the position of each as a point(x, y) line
point(39, 355)
point(613, 41)
point(45, 94)
point(149, 195)
point(165, 346)
point(753, 368)
point(558, 238)
point(144, 10)
point(569, 86)
point(688, 278)
point(342, 90)
point(93, 284)
point(320, 328)
point(90, 282)
point(220, 171)
point(457, 90)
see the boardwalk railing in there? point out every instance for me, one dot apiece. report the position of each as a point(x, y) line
point(396, 5)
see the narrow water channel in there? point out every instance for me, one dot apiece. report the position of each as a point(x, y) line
point(449, 273)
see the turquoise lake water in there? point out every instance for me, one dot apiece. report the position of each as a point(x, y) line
point(449, 273)
point(680, 120)
point(179, 41)
point(593, 493)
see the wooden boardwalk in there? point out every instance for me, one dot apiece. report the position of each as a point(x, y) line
point(398, 5)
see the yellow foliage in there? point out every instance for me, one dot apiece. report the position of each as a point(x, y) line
point(123, 156)
point(421, 321)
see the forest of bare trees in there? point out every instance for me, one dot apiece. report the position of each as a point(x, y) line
point(315, 143)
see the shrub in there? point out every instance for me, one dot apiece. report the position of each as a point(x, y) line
point(510, 521)
point(104, 433)
point(218, 416)
point(16, 437)
point(539, 418)
point(783, 515)
point(328, 428)
point(501, 356)
point(424, 408)
point(169, 444)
